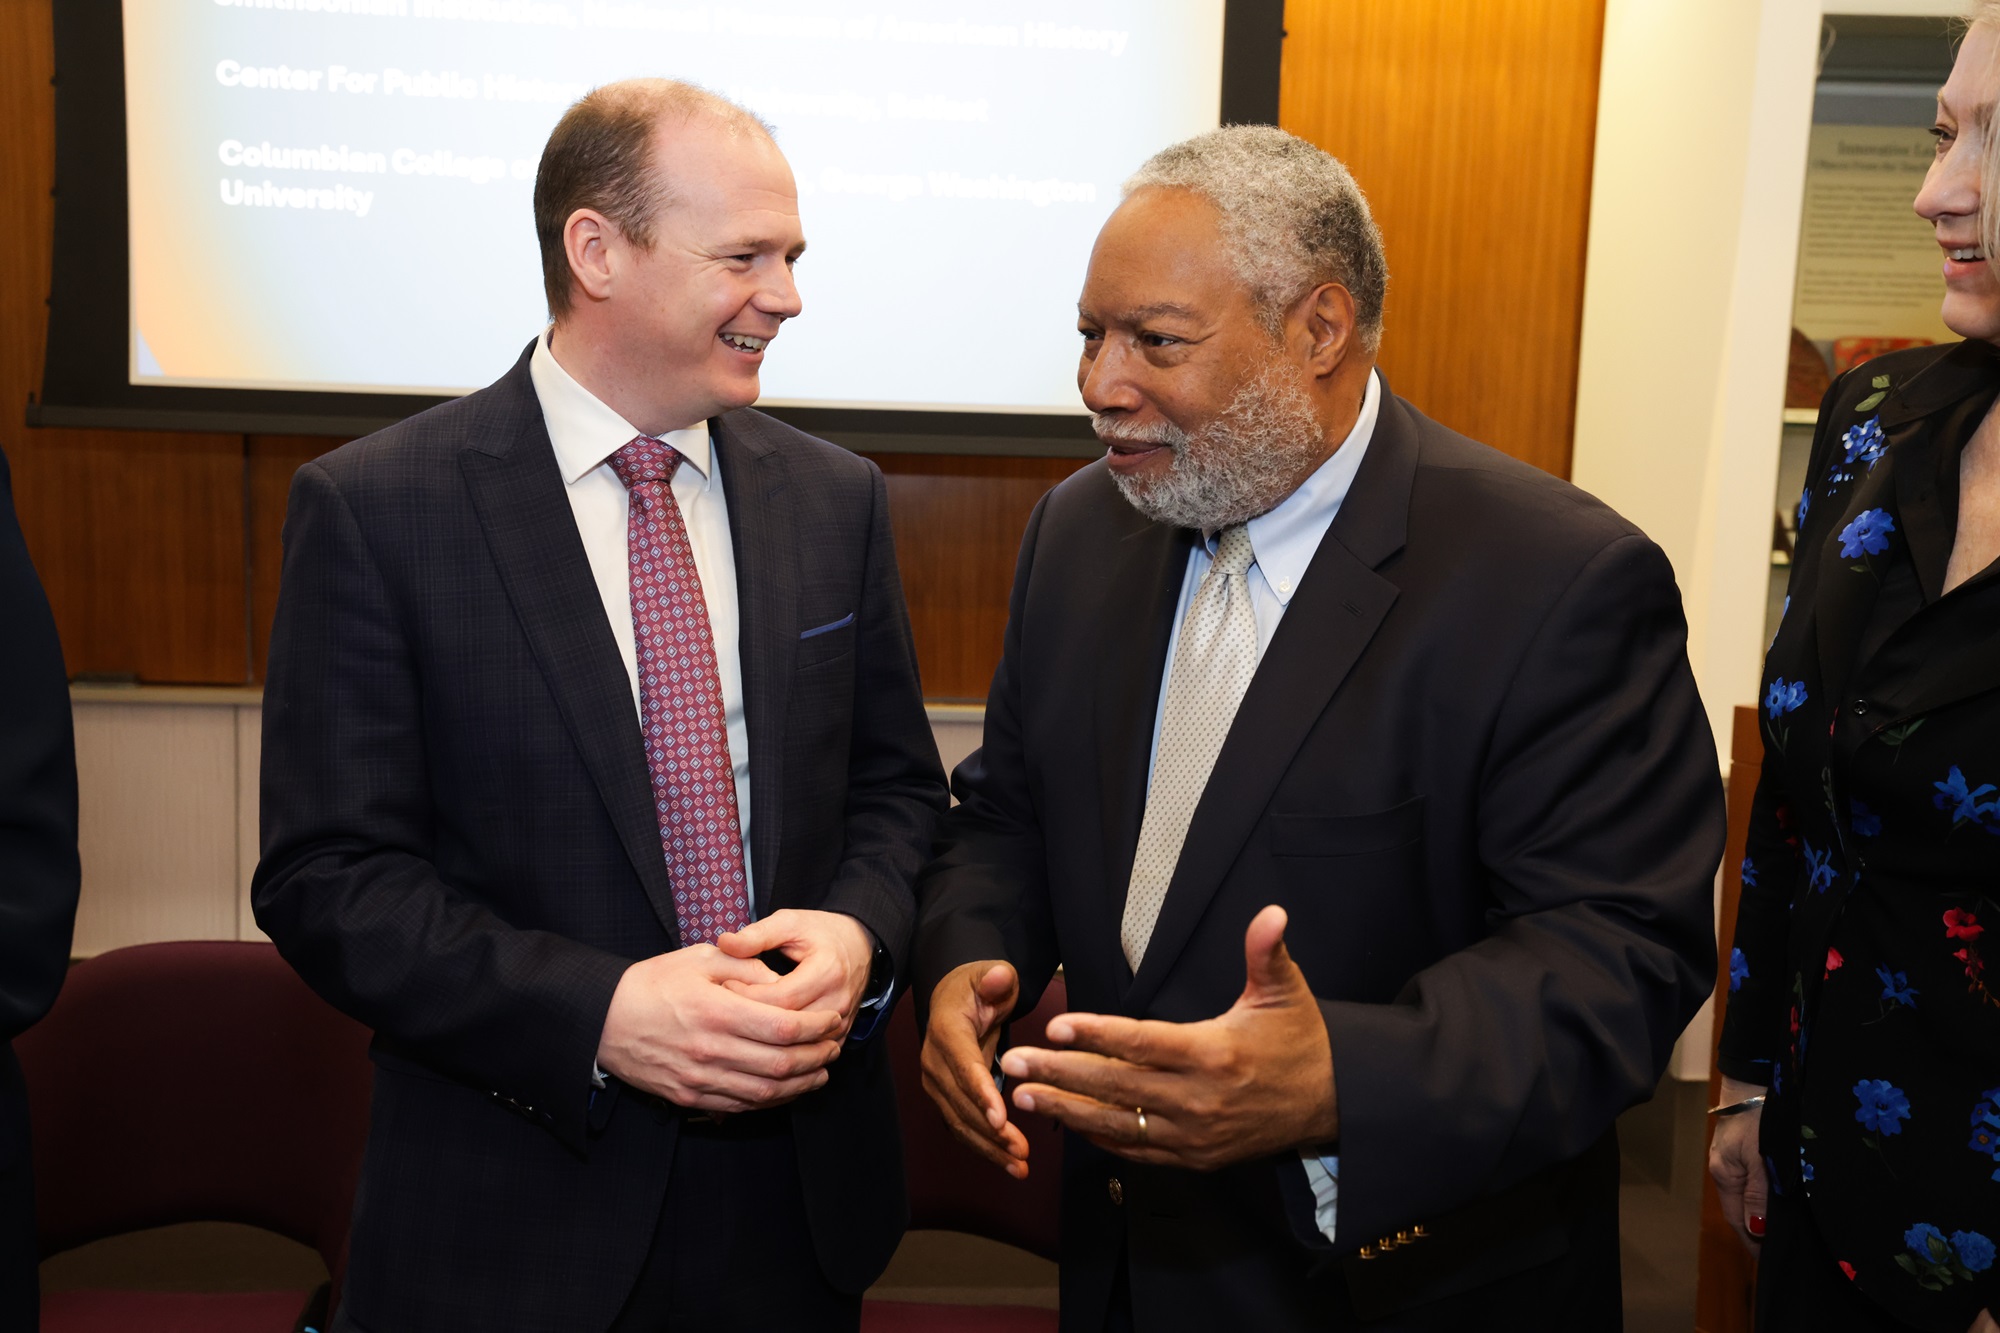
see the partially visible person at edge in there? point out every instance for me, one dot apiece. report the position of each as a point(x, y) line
point(1858, 1139)
point(38, 878)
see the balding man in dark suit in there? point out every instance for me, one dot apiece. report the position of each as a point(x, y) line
point(592, 709)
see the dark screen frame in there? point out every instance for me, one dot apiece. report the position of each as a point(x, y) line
point(85, 378)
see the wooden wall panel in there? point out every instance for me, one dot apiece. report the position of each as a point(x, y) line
point(1470, 127)
point(271, 460)
point(958, 524)
point(138, 537)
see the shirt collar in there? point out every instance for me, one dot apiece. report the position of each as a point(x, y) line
point(1286, 538)
point(586, 432)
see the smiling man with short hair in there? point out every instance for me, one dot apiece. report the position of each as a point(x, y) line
point(596, 774)
point(1355, 776)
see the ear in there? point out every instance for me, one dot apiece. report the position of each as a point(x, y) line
point(1324, 320)
point(588, 240)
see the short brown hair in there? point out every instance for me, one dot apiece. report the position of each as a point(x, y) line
point(600, 156)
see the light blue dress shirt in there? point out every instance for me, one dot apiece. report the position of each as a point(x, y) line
point(1285, 541)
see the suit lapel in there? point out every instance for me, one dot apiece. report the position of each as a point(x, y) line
point(756, 487)
point(517, 490)
point(1340, 603)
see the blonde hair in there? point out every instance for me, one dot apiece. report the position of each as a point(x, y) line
point(1986, 13)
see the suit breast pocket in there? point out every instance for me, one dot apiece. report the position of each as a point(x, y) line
point(1347, 835)
point(1353, 886)
point(825, 641)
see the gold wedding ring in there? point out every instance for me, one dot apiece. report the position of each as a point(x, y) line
point(1140, 1111)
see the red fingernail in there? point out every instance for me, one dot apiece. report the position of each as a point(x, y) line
point(1756, 1225)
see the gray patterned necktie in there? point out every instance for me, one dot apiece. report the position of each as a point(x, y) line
point(1213, 663)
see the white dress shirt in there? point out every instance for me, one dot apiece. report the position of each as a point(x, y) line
point(585, 434)
point(1285, 541)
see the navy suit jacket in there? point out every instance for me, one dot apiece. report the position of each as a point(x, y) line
point(1473, 768)
point(39, 875)
point(460, 847)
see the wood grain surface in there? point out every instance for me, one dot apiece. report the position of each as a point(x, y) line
point(1470, 127)
point(958, 524)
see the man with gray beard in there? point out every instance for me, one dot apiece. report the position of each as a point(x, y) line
point(1355, 775)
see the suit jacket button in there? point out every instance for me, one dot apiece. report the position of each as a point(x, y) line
point(1116, 1189)
point(1365, 1252)
point(1404, 1238)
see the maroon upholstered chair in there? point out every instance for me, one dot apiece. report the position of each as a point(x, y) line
point(186, 1082)
point(951, 1189)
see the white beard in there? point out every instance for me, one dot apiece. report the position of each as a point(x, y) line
point(1256, 451)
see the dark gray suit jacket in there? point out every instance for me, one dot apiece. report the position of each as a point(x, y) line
point(460, 847)
point(1473, 768)
point(39, 876)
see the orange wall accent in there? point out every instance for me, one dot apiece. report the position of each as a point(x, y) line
point(1470, 127)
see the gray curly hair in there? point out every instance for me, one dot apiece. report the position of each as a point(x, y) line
point(1292, 217)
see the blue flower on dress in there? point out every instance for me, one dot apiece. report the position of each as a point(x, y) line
point(1805, 1167)
point(1805, 503)
point(1926, 1240)
point(1986, 1127)
point(1896, 987)
point(1940, 1262)
point(1867, 534)
point(1784, 696)
point(1883, 1110)
point(1819, 867)
point(1749, 873)
point(1864, 443)
point(1865, 822)
point(1738, 969)
point(1974, 1250)
point(1960, 797)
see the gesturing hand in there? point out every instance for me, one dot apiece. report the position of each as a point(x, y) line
point(967, 1009)
point(832, 953)
point(1742, 1185)
point(1255, 1081)
point(676, 1029)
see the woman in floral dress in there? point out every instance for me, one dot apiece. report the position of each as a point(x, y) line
point(1858, 1141)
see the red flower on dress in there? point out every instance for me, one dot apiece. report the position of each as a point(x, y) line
point(1833, 962)
point(1960, 924)
point(1848, 1269)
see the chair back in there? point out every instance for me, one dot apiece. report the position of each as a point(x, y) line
point(195, 1081)
point(951, 1187)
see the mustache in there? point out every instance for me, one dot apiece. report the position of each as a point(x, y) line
point(1118, 430)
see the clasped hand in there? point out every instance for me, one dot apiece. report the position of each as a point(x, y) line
point(1251, 1082)
point(712, 1028)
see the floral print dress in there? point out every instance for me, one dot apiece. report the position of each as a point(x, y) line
point(1858, 976)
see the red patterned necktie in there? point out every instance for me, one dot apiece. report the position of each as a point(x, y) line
point(680, 703)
